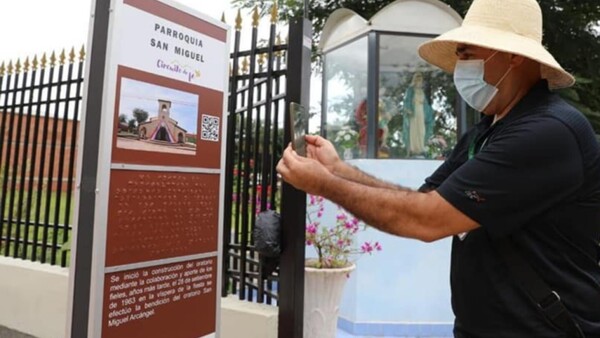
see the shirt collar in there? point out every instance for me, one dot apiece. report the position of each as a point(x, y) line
point(527, 105)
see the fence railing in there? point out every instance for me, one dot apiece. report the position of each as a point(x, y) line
point(255, 142)
point(39, 116)
point(40, 107)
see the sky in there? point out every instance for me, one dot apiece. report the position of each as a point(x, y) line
point(34, 27)
point(29, 27)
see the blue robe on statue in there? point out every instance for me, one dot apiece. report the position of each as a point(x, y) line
point(415, 137)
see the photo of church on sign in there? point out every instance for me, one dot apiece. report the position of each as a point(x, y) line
point(156, 118)
point(162, 127)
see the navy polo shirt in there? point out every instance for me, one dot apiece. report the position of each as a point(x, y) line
point(535, 177)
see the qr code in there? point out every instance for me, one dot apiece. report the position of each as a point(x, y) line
point(210, 128)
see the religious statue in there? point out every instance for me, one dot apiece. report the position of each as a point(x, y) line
point(418, 117)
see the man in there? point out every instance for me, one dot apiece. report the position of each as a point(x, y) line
point(528, 174)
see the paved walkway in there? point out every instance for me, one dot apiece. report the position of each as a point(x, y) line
point(131, 144)
point(7, 333)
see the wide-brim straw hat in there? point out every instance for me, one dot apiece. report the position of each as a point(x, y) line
point(512, 26)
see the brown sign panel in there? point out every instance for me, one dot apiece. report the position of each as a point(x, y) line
point(174, 300)
point(155, 266)
point(158, 215)
point(164, 139)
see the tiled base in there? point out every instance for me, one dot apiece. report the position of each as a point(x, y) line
point(348, 329)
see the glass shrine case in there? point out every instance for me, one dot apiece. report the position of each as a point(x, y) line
point(381, 100)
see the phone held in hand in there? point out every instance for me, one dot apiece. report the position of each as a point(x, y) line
point(298, 127)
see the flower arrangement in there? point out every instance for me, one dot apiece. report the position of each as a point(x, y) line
point(346, 137)
point(334, 245)
point(436, 147)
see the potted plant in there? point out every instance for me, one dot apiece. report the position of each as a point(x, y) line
point(326, 275)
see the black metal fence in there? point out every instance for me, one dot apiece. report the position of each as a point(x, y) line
point(39, 111)
point(255, 143)
point(40, 105)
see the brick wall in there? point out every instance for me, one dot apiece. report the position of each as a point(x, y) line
point(44, 150)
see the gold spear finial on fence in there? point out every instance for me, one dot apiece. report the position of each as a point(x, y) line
point(274, 13)
point(10, 68)
point(26, 65)
point(82, 53)
point(238, 21)
point(2, 69)
point(44, 61)
point(72, 55)
point(18, 66)
point(34, 64)
point(255, 17)
point(62, 57)
point(53, 59)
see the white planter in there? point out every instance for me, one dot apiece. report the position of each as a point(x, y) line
point(322, 295)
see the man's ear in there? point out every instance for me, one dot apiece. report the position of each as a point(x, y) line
point(516, 60)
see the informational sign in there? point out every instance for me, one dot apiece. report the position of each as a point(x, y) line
point(156, 254)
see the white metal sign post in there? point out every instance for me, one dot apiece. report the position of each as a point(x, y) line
point(147, 235)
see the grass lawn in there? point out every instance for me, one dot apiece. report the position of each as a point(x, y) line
point(37, 231)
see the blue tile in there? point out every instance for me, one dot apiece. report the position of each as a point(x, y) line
point(348, 329)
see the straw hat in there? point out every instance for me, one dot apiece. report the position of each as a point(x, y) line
point(513, 26)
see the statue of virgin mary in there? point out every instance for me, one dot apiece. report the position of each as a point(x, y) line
point(418, 117)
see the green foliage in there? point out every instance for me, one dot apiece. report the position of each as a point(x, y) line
point(25, 211)
point(571, 34)
point(132, 125)
point(140, 115)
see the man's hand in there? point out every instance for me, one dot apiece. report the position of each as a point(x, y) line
point(303, 173)
point(320, 149)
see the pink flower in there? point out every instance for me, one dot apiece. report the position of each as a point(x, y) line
point(366, 248)
point(335, 244)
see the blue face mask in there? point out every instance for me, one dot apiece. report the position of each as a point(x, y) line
point(468, 79)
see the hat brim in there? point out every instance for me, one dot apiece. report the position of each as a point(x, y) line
point(441, 51)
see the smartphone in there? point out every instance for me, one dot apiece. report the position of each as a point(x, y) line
point(298, 127)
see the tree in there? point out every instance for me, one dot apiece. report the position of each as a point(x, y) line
point(132, 125)
point(140, 115)
point(571, 34)
point(122, 118)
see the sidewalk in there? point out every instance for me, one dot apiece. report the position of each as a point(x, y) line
point(7, 333)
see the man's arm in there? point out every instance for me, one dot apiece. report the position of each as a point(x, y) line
point(424, 216)
point(352, 173)
point(323, 151)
